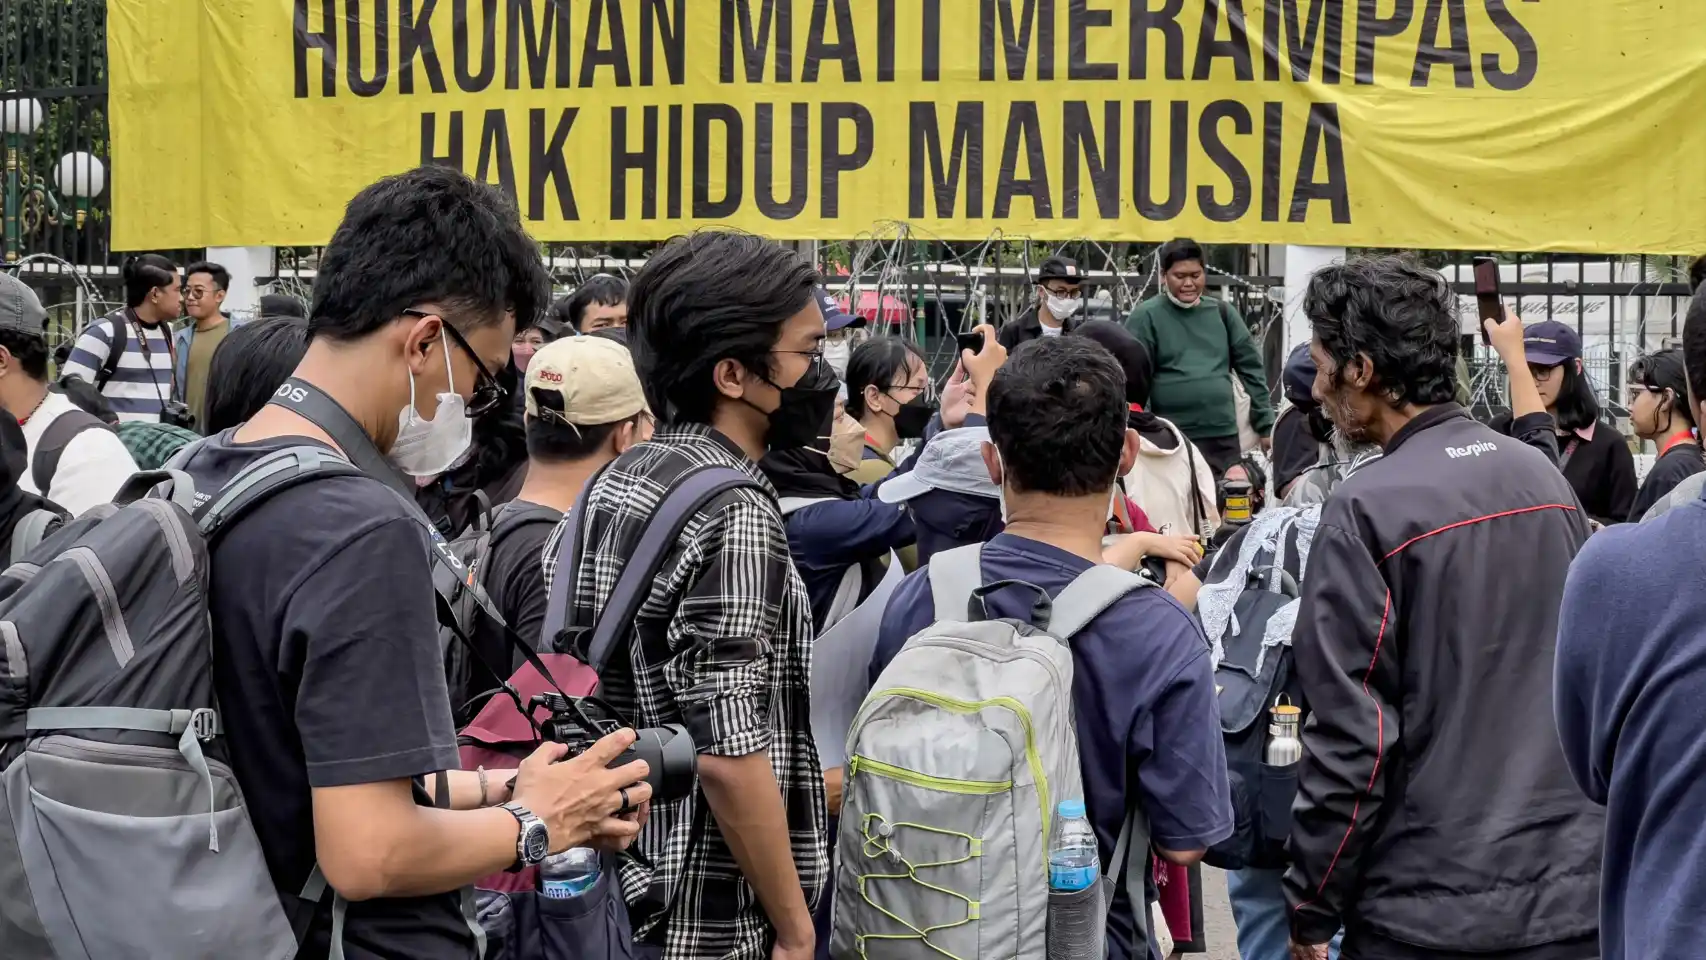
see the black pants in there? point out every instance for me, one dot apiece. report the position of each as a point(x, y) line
point(1220, 452)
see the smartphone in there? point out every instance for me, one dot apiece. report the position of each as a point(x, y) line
point(970, 341)
point(1491, 305)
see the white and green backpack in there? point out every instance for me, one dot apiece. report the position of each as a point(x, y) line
point(957, 760)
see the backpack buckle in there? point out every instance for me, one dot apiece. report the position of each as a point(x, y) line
point(205, 722)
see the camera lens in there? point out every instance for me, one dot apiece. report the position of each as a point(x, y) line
point(672, 759)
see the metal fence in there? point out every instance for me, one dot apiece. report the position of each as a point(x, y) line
point(53, 53)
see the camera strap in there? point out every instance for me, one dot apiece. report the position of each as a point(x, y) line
point(315, 406)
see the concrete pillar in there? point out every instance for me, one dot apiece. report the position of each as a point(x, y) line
point(1298, 264)
point(245, 264)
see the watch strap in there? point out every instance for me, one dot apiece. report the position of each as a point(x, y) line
point(524, 818)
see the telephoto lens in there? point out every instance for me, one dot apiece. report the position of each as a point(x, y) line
point(668, 752)
point(579, 722)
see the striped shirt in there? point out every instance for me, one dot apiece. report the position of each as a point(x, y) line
point(142, 382)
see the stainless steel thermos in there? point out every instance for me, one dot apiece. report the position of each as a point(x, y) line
point(1285, 742)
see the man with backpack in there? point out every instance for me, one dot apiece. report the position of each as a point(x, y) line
point(683, 538)
point(584, 409)
point(73, 457)
point(1435, 813)
point(128, 354)
point(1141, 691)
point(275, 632)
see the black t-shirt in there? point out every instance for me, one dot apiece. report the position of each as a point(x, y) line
point(1676, 465)
point(514, 577)
point(327, 669)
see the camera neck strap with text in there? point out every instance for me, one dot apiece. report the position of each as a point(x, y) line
point(315, 406)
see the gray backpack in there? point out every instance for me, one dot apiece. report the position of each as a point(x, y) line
point(957, 762)
point(122, 831)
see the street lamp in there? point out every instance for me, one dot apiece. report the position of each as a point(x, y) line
point(29, 203)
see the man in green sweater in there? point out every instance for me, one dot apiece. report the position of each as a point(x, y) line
point(1204, 358)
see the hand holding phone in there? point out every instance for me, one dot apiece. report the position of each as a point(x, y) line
point(1490, 305)
point(970, 341)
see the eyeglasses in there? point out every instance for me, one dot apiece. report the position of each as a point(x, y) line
point(488, 393)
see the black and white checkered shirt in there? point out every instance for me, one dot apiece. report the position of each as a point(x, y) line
point(722, 645)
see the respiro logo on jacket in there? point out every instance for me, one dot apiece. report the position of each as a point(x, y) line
point(1473, 450)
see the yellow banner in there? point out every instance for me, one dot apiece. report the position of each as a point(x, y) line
point(1480, 124)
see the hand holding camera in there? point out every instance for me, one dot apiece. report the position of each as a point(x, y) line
point(580, 798)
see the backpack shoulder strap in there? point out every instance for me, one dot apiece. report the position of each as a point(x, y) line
point(267, 476)
point(115, 349)
point(515, 515)
point(59, 434)
point(1092, 592)
point(31, 530)
point(954, 575)
point(662, 530)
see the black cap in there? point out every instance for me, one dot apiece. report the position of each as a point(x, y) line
point(1299, 376)
point(1060, 268)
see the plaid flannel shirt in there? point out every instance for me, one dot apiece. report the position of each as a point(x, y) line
point(721, 645)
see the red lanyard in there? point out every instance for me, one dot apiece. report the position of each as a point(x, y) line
point(1681, 436)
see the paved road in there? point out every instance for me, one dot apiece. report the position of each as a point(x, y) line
point(1217, 917)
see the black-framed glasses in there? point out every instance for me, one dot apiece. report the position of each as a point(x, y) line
point(488, 393)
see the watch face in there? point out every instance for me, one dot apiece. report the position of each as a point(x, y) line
point(536, 841)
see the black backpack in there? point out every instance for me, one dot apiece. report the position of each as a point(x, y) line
point(1250, 681)
point(472, 547)
point(44, 462)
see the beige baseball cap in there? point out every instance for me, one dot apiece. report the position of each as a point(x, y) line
point(594, 375)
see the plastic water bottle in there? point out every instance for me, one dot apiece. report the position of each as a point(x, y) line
point(1072, 859)
point(566, 875)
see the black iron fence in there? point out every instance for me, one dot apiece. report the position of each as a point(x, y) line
point(53, 99)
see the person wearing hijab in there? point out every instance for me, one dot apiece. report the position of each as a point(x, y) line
point(1171, 481)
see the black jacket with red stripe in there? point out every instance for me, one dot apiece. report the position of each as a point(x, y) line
point(1435, 813)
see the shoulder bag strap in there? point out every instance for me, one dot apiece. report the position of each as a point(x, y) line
point(1131, 861)
point(59, 434)
point(1569, 451)
point(1092, 592)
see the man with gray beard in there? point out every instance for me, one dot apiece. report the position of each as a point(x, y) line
point(1435, 815)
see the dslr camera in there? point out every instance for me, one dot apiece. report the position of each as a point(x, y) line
point(579, 722)
point(177, 413)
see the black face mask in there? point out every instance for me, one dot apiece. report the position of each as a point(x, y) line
point(912, 417)
point(806, 414)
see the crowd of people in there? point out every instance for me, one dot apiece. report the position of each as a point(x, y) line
point(1497, 688)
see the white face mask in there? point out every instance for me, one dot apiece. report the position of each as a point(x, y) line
point(1001, 496)
point(838, 352)
point(1180, 303)
point(1063, 307)
point(428, 447)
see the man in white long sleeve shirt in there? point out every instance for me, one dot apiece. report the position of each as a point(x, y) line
point(75, 460)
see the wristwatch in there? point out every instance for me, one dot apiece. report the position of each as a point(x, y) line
point(534, 843)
